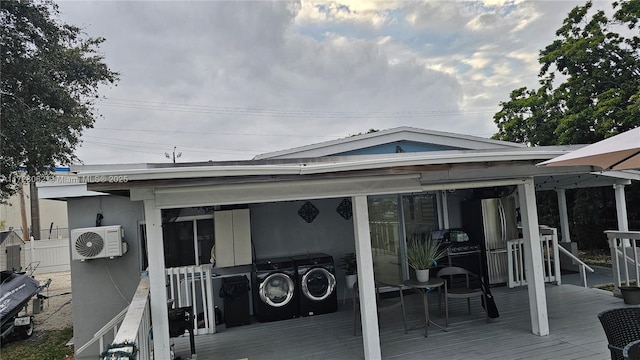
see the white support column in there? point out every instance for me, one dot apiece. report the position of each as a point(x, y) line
point(621, 211)
point(445, 210)
point(439, 209)
point(533, 259)
point(564, 217)
point(621, 208)
point(366, 284)
point(157, 284)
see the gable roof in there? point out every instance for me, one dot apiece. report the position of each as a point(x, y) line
point(10, 234)
point(445, 140)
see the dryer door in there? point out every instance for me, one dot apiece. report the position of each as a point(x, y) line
point(277, 289)
point(318, 284)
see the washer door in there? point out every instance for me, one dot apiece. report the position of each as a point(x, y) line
point(277, 290)
point(318, 284)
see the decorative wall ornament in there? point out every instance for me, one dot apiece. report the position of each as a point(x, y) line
point(308, 212)
point(345, 210)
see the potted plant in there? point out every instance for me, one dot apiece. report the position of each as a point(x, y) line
point(630, 294)
point(350, 267)
point(423, 255)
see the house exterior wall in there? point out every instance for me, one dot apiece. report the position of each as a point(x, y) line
point(51, 211)
point(277, 230)
point(454, 201)
point(102, 287)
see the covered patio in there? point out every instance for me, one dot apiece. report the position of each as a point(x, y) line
point(566, 313)
point(575, 332)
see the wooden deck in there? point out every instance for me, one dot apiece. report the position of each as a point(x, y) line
point(575, 332)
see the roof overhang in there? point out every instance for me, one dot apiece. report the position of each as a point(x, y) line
point(63, 191)
point(277, 180)
point(325, 165)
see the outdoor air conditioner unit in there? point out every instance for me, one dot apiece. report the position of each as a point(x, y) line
point(98, 242)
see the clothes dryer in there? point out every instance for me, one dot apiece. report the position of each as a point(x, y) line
point(316, 284)
point(275, 296)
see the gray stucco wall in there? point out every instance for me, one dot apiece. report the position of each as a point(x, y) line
point(277, 230)
point(102, 287)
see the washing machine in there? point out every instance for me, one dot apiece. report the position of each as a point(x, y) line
point(316, 284)
point(274, 291)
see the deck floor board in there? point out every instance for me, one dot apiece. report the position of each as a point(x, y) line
point(575, 332)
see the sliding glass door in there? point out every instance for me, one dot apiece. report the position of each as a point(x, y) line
point(389, 223)
point(385, 231)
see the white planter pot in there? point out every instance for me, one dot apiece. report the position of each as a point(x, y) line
point(422, 275)
point(351, 280)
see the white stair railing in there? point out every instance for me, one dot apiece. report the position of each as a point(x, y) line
point(624, 257)
point(133, 336)
point(583, 266)
point(111, 326)
point(123, 318)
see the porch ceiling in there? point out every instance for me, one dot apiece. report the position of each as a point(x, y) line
point(584, 180)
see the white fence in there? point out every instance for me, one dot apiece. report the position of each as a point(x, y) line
point(550, 258)
point(50, 255)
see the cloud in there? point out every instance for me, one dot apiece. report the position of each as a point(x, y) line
point(229, 80)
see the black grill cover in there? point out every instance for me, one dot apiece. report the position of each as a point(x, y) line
point(15, 292)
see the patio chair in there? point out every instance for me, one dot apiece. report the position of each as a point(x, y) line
point(458, 286)
point(632, 351)
point(622, 326)
point(384, 304)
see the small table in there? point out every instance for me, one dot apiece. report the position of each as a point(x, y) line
point(424, 288)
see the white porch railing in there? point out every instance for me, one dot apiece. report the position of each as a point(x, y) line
point(550, 257)
point(189, 283)
point(132, 340)
point(624, 257)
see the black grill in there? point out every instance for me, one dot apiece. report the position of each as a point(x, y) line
point(456, 249)
point(181, 320)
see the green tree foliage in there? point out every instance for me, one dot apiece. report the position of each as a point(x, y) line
point(589, 90)
point(590, 82)
point(50, 77)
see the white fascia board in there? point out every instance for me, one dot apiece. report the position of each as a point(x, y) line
point(388, 136)
point(371, 162)
point(186, 172)
point(427, 159)
point(64, 191)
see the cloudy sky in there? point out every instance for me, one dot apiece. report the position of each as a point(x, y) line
point(223, 80)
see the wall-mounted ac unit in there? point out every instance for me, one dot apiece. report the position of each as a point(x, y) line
point(98, 242)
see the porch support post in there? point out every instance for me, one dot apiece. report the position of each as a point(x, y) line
point(157, 284)
point(439, 209)
point(564, 217)
point(533, 259)
point(445, 210)
point(621, 211)
point(366, 284)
